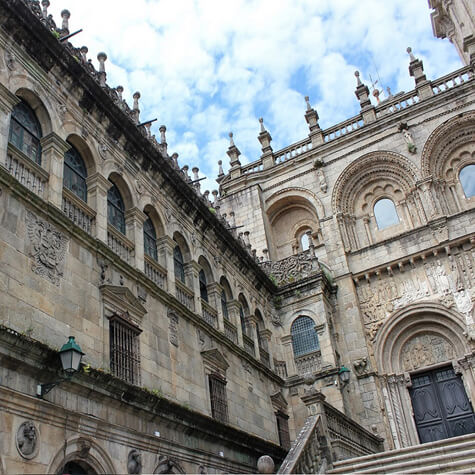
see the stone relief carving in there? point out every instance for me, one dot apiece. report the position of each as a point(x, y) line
point(449, 279)
point(173, 327)
point(27, 440)
point(424, 350)
point(134, 462)
point(103, 150)
point(47, 248)
point(10, 60)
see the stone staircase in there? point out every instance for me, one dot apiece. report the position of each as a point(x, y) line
point(455, 455)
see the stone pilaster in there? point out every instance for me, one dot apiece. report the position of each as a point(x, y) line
point(192, 270)
point(233, 310)
point(7, 102)
point(214, 295)
point(53, 148)
point(251, 320)
point(134, 219)
point(165, 246)
point(97, 188)
point(289, 355)
point(314, 401)
point(266, 336)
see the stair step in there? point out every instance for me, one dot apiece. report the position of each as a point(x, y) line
point(416, 457)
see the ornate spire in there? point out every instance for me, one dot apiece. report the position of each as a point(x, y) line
point(362, 92)
point(416, 67)
point(233, 153)
point(265, 139)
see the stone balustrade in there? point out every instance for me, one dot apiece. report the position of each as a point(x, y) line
point(248, 345)
point(209, 314)
point(454, 79)
point(265, 358)
point(122, 246)
point(280, 368)
point(309, 363)
point(230, 331)
point(184, 295)
point(343, 128)
point(155, 272)
point(78, 211)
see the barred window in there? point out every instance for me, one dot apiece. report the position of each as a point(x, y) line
point(203, 286)
point(150, 239)
point(224, 305)
point(25, 131)
point(283, 430)
point(179, 265)
point(304, 336)
point(124, 349)
point(75, 173)
point(115, 209)
point(219, 402)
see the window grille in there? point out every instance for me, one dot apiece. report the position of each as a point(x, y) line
point(179, 264)
point(224, 305)
point(219, 402)
point(124, 350)
point(203, 286)
point(304, 336)
point(75, 173)
point(283, 430)
point(25, 132)
point(115, 209)
point(150, 239)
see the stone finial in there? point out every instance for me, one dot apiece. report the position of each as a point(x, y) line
point(358, 80)
point(119, 90)
point(175, 160)
point(147, 126)
point(65, 15)
point(307, 101)
point(411, 55)
point(261, 121)
point(311, 116)
point(215, 196)
point(102, 57)
point(84, 50)
point(265, 464)
point(416, 70)
point(220, 168)
point(266, 254)
point(265, 139)
point(163, 138)
point(232, 219)
point(390, 94)
point(246, 238)
point(362, 92)
point(195, 171)
point(185, 172)
point(45, 4)
point(206, 197)
point(231, 140)
point(136, 109)
point(233, 153)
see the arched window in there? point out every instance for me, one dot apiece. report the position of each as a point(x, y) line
point(25, 131)
point(304, 336)
point(203, 286)
point(115, 209)
point(467, 179)
point(150, 239)
point(243, 320)
point(75, 173)
point(224, 305)
point(304, 243)
point(385, 213)
point(179, 264)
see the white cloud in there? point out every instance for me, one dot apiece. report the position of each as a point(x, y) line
point(207, 67)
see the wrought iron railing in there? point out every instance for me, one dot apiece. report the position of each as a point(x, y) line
point(78, 211)
point(155, 272)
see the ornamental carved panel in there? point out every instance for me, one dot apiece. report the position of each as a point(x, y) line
point(47, 247)
point(425, 350)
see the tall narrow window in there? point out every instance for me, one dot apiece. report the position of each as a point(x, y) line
point(385, 213)
point(304, 244)
point(150, 239)
point(203, 286)
point(179, 264)
point(243, 320)
point(283, 430)
point(304, 336)
point(75, 173)
point(224, 305)
point(219, 401)
point(25, 132)
point(467, 179)
point(124, 350)
point(115, 209)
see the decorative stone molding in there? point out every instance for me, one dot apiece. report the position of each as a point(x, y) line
point(173, 327)
point(27, 440)
point(47, 247)
point(120, 299)
point(134, 462)
point(215, 361)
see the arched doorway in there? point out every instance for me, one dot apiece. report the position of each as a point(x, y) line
point(421, 355)
point(77, 467)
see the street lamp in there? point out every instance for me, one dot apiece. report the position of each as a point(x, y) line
point(70, 355)
point(344, 376)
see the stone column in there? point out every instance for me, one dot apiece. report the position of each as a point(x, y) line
point(165, 246)
point(7, 102)
point(214, 296)
point(455, 196)
point(233, 310)
point(192, 270)
point(97, 188)
point(266, 336)
point(366, 220)
point(134, 219)
point(251, 320)
point(289, 355)
point(53, 148)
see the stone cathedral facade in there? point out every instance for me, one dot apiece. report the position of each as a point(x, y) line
point(339, 270)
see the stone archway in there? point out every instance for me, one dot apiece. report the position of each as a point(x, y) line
point(415, 339)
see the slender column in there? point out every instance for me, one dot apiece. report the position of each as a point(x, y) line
point(407, 215)
point(266, 336)
point(134, 219)
point(214, 296)
point(367, 229)
point(97, 188)
point(233, 310)
point(7, 102)
point(455, 197)
point(53, 148)
point(251, 320)
point(192, 270)
point(289, 355)
point(165, 246)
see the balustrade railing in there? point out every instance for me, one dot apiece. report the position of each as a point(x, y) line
point(454, 79)
point(27, 172)
point(280, 368)
point(210, 315)
point(309, 363)
point(343, 128)
point(185, 295)
point(155, 272)
point(230, 331)
point(78, 211)
point(264, 356)
point(292, 151)
point(252, 167)
point(122, 246)
point(248, 345)
point(397, 103)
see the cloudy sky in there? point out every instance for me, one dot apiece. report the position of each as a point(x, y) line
point(207, 67)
